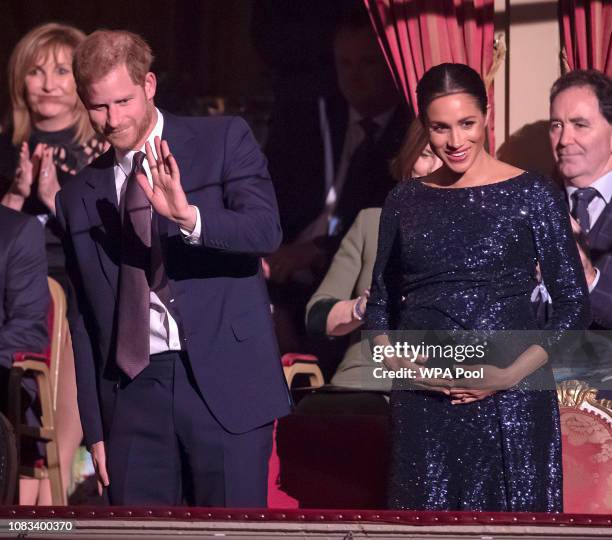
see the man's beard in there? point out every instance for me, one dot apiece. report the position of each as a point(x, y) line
point(141, 129)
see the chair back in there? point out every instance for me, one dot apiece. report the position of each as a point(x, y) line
point(57, 333)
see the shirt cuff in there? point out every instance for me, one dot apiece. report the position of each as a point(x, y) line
point(595, 281)
point(316, 318)
point(193, 238)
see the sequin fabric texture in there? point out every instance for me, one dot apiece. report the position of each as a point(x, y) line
point(464, 259)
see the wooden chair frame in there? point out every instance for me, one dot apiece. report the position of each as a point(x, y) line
point(46, 380)
point(302, 364)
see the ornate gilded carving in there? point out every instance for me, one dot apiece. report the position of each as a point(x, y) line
point(575, 393)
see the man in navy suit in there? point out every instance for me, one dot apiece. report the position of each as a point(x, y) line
point(24, 292)
point(581, 140)
point(24, 303)
point(178, 373)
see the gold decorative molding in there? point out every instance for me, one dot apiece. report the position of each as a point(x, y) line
point(577, 393)
point(565, 67)
point(499, 55)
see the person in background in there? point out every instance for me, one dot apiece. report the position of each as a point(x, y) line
point(48, 140)
point(24, 304)
point(581, 141)
point(49, 137)
point(329, 160)
point(338, 306)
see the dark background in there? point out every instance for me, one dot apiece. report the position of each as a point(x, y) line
point(247, 52)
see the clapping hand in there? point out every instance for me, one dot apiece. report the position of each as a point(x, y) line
point(48, 184)
point(40, 165)
point(27, 169)
point(166, 195)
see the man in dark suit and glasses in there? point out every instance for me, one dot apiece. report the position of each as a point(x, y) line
point(581, 140)
point(178, 373)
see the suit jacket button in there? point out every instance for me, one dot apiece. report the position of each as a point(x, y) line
point(115, 387)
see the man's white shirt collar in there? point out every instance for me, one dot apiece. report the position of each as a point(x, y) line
point(603, 185)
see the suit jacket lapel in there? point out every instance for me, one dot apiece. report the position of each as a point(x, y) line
point(105, 222)
point(600, 236)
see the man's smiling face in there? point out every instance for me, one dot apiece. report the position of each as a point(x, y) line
point(580, 136)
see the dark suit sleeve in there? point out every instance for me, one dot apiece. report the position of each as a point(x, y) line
point(601, 295)
point(87, 388)
point(559, 262)
point(249, 221)
point(26, 294)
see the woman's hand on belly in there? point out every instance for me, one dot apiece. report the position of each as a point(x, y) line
point(419, 377)
point(433, 384)
point(493, 379)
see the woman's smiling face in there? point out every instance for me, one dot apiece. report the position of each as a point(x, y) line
point(457, 130)
point(50, 89)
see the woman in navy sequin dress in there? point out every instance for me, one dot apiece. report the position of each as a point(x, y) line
point(465, 242)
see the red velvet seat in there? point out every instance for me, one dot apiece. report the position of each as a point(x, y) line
point(327, 460)
point(586, 427)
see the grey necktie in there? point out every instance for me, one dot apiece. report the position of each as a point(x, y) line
point(133, 328)
point(582, 197)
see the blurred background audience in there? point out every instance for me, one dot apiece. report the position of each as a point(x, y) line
point(329, 158)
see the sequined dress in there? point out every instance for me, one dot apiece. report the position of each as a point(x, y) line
point(464, 259)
